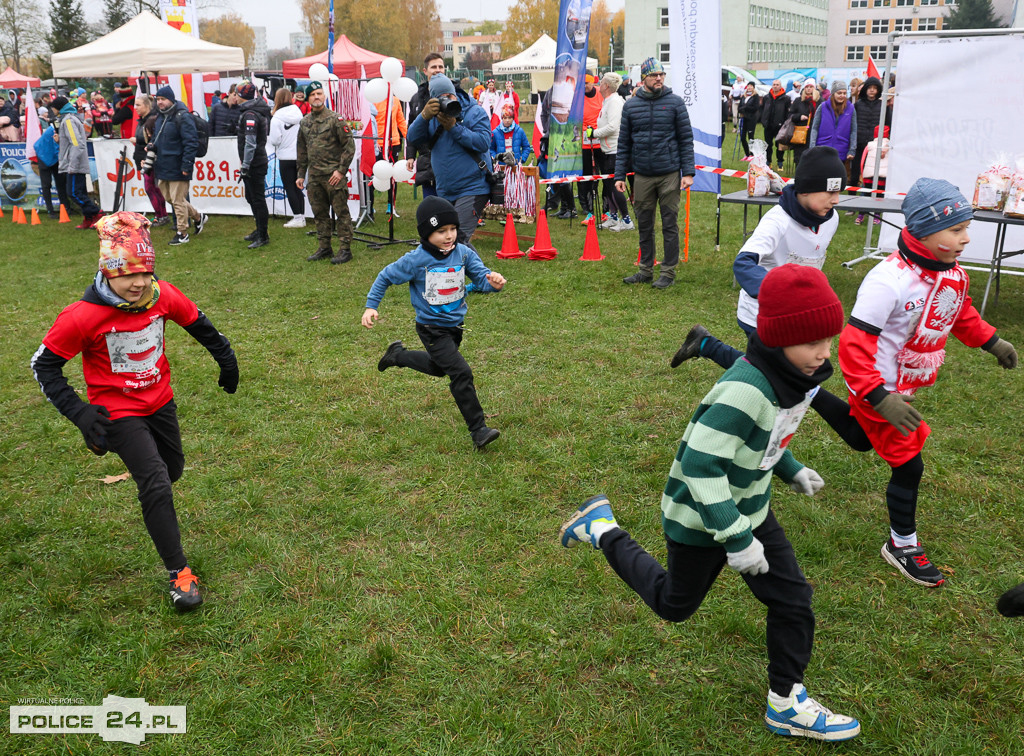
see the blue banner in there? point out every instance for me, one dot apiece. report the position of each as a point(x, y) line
point(565, 125)
point(19, 180)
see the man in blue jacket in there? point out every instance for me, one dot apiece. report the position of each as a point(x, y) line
point(176, 140)
point(656, 144)
point(459, 150)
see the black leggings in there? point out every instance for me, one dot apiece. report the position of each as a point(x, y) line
point(150, 447)
point(617, 200)
point(289, 174)
point(747, 127)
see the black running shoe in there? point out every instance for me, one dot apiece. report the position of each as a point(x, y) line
point(690, 347)
point(201, 223)
point(394, 349)
point(912, 562)
point(185, 591)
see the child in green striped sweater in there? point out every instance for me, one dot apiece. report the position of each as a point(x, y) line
point(716, 504)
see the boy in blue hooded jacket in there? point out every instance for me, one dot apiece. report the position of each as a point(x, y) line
point(436, 273)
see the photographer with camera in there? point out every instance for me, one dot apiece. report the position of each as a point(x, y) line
point(175, 144)
point(456, 131)
point(143, 136)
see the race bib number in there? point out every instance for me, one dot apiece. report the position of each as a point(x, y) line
point(786, 423)
point(136, 351)
point(445, 285)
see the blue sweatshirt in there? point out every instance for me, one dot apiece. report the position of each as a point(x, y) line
point(437, 288)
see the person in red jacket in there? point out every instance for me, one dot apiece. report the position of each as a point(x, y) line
point(592, 102)
point(118, 327)
point(893, 345)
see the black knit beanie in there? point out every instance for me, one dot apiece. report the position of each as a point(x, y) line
point(820, 170)
point(433, 213)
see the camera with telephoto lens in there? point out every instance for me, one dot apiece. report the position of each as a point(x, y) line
point(450, 105)
point(147, 163)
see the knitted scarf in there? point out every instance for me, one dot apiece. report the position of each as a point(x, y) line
point(919, 360)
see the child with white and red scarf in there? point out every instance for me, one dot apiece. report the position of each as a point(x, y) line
point(893, 345)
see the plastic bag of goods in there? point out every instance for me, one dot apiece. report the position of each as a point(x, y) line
point(1014, 207)
point(991, 187)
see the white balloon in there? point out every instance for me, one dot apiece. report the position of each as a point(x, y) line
point(382, 169)
point(376, 90)
point(401, 173)
point(405, 88)
point(391, 69)
point(317, 72)
point(381, 185)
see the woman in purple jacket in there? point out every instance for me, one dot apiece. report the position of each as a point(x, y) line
point(835, 124)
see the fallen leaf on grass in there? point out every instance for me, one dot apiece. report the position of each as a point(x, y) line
point(315, 317)
point(108, 479)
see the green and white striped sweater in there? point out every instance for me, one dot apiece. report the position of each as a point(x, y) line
point(715, 494)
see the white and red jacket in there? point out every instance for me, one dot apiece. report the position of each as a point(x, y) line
point(886, 315)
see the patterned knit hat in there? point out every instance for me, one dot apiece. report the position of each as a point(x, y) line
point(508, 111)
point(246, 90)
point(125, 247)
point(796, 305)
point(651, 66)
point(932, 205)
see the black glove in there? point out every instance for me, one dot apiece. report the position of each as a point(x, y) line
point(244, 173)
point(229, 376)
point(93, 421)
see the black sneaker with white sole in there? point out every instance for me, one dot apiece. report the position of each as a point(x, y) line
point(201, 223)
point(913, 563)
point(179, 238)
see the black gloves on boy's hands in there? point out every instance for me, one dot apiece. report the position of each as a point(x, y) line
point(896, 409)
point(229, 376)
point(1004, 352)
point(93, 421)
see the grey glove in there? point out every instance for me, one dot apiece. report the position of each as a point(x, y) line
point(1005, 353)
point(749, 561)
point(508, 158)
point(807, 482)
point(896, 409)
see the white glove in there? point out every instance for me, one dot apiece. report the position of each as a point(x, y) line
point(749, 561)
point(807, 481)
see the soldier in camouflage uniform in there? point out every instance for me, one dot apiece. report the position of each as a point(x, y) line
point(325, 147)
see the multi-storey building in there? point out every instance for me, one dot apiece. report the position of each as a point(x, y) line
point(258, 59)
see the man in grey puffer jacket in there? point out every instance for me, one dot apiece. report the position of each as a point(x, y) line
point(73, 161)
point(656, 144)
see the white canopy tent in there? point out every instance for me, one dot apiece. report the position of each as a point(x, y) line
point(538, 60)
point(146, 44)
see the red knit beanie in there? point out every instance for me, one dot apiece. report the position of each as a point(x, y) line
point(796, 305)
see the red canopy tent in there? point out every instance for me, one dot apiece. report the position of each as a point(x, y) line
point(11, 79)
point(349, 61)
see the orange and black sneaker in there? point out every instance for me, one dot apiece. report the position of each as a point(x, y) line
point(185, 590)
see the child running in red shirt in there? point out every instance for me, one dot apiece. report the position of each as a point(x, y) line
point(118, 327)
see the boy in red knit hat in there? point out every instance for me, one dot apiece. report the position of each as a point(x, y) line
point(118, 327)
point(716, 504)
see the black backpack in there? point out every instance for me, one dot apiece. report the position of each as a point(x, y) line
point(202, 134)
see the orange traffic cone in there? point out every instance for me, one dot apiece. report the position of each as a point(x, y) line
point(542, 249)
point(19, 215)
point(591, 247)
point(35, 217)
point(1, 211)
point(64, 215)
point(638, 255)
point(510, 243)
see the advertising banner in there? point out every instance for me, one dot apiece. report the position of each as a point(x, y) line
point(215, 187)
point(695, 51)
point(565, 126)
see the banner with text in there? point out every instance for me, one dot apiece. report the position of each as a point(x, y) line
point(214, 189)
point(565, 126)
point(695, 55)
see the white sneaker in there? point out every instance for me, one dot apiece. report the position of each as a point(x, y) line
point(298, 221)
point(625, 225)
point(800, 715)
point(610, 224)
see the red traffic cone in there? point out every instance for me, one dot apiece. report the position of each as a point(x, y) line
point(591, 247)
point(35, 217)
point(542, 249)
point(64, 215)
point(510, 242)
point(638, 255)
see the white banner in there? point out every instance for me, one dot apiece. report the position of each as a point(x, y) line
point(214, 189)
point(929, 138)
point(695, 51)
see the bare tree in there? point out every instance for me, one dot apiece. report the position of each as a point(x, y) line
point(21, 33)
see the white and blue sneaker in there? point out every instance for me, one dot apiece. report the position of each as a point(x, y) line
point(593, 518)
point(800, 715)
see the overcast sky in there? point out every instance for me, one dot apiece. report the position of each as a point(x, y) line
point(282, 17)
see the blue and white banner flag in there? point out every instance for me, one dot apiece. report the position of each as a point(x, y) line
point(565, 125)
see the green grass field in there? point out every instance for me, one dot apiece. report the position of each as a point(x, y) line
point(376, 586)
